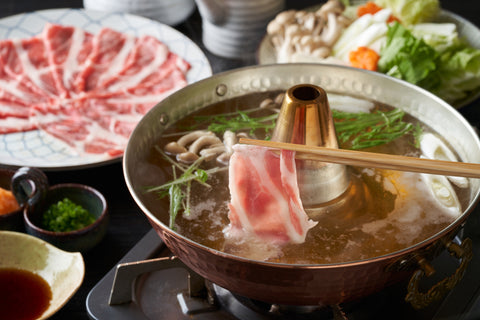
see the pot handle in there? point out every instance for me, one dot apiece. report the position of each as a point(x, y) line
point(29, 185)
point(419, 299)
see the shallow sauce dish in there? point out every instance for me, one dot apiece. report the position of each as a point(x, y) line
point(63, 271)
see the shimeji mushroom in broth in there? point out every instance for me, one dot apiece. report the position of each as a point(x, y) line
point(391, 210)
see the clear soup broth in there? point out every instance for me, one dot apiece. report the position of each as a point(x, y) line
point(393, 210)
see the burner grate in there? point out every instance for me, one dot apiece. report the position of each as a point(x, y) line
point(178, 293)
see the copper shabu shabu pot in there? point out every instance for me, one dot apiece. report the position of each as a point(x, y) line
point(290, 284)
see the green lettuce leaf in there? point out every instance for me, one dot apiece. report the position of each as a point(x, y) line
point(459, 73)
point(449, 67)
point(408, 58)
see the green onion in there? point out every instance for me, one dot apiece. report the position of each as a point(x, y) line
point(365, 130)
point(66, 215)
point(243, 122)
point(361, 130)
point(178, 190)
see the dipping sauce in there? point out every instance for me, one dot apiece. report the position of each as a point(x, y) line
point(23, 294)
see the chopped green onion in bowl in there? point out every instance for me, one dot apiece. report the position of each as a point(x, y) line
point(65, 215)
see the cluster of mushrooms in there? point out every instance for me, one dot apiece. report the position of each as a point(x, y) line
point(203, 143)
point(302, 33)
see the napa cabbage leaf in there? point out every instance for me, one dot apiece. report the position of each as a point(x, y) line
point(412, 11)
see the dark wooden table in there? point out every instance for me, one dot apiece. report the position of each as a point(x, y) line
point(128, 225)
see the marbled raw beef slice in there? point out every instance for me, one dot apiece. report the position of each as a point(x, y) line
point(68, 50)
point(33, 57)
point(265, 200)
point(110, 50)
point(146, 96)
point(150, 62)
point(71, 123)
point(15, 77)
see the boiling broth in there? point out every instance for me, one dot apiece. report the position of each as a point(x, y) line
point(395, 211)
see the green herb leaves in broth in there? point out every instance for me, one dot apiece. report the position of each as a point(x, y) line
point(241, 122)
point(176, 197)
point(354, 131)
point(178, 190)
point(365, 130)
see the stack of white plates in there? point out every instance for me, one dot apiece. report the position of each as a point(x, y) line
point(171, 12)
point(241, 28)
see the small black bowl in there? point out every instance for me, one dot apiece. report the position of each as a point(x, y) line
point(30, 185)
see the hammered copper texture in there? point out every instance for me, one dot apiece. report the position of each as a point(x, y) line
point(290, 284)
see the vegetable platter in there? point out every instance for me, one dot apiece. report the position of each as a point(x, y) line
point(416, 41)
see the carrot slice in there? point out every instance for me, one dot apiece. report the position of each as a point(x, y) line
point(368, 8)
point(364, 58)
point(372, 8)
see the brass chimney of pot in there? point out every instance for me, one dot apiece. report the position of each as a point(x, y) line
point(305, 118)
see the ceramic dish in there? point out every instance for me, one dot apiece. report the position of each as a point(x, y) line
point(233, 29)
point(165, 11)
point(37, 149)
point(266, 53)
point(63, 271)
point(31, 188)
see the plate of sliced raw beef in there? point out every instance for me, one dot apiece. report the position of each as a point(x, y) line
point(74, 83)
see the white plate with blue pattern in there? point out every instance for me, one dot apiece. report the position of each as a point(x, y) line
point(38, 149)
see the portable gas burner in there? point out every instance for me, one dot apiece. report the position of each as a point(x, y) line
point(148, 283)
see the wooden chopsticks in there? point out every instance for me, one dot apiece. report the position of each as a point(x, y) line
point(374, 160)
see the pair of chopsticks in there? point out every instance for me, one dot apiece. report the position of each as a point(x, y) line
point(374, 160)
